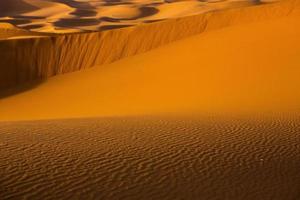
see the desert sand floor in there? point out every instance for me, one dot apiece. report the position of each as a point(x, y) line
point(144, 158)
point(247, 69)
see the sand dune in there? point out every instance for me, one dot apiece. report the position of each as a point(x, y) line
point(62, 15)
point(144, 158)
point(37, 58)
point(245, 68)
point(8, 31)
point(213, 116)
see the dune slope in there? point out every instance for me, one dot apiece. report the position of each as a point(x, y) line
point(250, 67)
point(38, 58)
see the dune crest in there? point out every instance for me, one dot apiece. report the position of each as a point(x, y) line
point(58, 16)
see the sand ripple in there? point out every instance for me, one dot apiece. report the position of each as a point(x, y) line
point(151, 159)
point(60, 16)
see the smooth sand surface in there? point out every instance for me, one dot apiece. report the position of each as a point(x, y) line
point(64, 16)
point(249, 68)
point(144, 158)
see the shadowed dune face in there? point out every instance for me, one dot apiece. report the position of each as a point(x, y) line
point(144, 158)
point(70, 15)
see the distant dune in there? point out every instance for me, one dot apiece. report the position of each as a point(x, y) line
point(61, 16)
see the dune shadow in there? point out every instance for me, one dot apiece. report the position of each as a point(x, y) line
point(145, 12)
point(70, 23)
point(13, 90)
point(111, 27)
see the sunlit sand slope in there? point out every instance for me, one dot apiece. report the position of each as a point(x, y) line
point(252, 67)
point(140, 158)
point(35, 58)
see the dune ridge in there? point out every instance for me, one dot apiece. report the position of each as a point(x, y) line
point(61, 16)
point(8, 31)
point(38, 58)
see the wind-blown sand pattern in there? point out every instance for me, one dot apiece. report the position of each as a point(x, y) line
point(144, 158)
point(38, 58)
point(212, 116)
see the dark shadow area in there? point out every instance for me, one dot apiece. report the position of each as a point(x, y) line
point(20, 88)
point(84, 13)
point(109, 19)
point(145, 12)
point(14, 7)
point(33, 26)
point(27, 17)
point(115, 2)
point(75, 4)
point(15, 21)
point(70, 23)
point(110, 27)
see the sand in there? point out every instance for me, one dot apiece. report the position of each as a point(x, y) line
point(61, 16)
point(244, 68)
point(33, 58)
point(144, 158)
point(212, 116)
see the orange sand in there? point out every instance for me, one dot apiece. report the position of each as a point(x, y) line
point(28, 55)
point(249, 68)
point(57, 16)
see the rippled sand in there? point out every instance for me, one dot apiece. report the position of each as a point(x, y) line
point(144, 158)
point(60, 16)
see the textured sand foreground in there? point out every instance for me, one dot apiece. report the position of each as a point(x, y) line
point(144, 158)
point(252, 67)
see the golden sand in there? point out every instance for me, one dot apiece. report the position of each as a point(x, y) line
point(66, 16)
point(246, 74)
point(250, 67)
point(38, 58)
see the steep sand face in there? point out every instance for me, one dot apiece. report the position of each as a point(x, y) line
point(37, 58)
point(245, 68)
point(140, 158)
